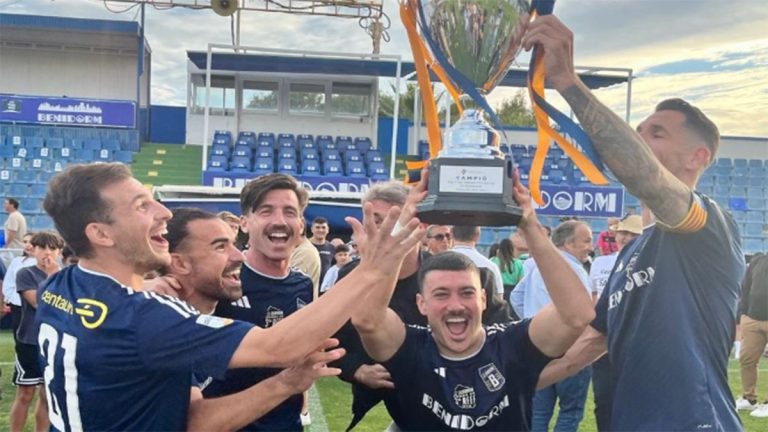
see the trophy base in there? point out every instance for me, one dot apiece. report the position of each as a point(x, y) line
point(468, 191)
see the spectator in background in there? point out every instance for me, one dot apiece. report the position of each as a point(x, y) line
point(753, 309)
point(625, 231)
point(324, 247)
point(306, 259)
point(606, 240)
point(336, 241)
point(493, 251)
point(231, 220)
point(341, 258)
point(465, 242)
point(10, 296)
point(574, 240)
point(68, 256)
point(28, 374)
point(511, 268)
point(15, 226)
point(438, 239)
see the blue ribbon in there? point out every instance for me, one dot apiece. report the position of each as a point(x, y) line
point(567, 126)
point(457, 77)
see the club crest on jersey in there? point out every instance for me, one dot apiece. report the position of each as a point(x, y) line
point(213, 321)
point(300, 303)
point(492, 377)
point(464, 397)
point(273, 316)
point(92, 313)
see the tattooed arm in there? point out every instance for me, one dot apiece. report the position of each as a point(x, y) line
point(619, 146)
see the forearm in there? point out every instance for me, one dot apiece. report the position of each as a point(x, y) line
point(235, 411)
point(628, 156)
point(570, 298)
point(31, 297)
point(589, 347)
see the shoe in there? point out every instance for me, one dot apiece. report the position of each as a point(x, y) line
point(746, 405)
point(306, 420)
point(761, 412)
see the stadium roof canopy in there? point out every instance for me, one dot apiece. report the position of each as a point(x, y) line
point(271, 63)
point(65, 23)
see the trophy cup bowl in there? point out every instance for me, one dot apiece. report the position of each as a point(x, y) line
point(470, 180)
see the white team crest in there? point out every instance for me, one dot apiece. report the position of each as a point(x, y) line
point(300, 303)
point(492, 377)
point(464, 397)
point(273, 316)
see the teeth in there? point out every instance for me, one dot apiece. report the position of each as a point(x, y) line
point(456, 320)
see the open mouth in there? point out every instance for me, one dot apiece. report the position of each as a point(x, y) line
point(232, 275)
point(457, 326)
point(278, 237)
point(158, 238)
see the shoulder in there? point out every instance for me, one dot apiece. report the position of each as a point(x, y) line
point(160, 303)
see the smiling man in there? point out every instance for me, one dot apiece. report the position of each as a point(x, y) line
point(457, 374)
point(116, 358)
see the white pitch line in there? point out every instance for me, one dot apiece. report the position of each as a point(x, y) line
point(316, 412)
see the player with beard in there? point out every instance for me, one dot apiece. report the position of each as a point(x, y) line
point(116, 358)
point(272, 207)
point(206, 267)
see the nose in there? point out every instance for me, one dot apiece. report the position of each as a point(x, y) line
point(163, 212)
point(235, 255)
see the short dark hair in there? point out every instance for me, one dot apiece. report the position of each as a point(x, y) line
point(448, 260)
point(47, 240)
point(465, 232)
point(254, 191)
point(13, 202)
point(67, 252)
point(696, 121)
point(565, 232)
point(341, 248)
point(178, 226)
point(319, 220)
point(74, 200)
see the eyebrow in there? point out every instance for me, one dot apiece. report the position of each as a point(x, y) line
point(654, 128)
point(220, 240)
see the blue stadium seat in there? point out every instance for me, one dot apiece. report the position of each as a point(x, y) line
point(286, 140)
point(707, 179)
point(306, 141)
point(723, 161)
point(343, 140)
point(58, 166)
point(223, 136)
point(240, 164)
point(111, 144)
point(266, 138)
point(264, 166)
point(92, 144)
point(38, 190)
point(739, 216)
point(104, 155)
point(722, 190)
point(378, 172)
point(755, 163)
point(332, 168)
point(755, 216)
point(356, 169)
point(34, 142)
point(735, 203)
point(84, 155)
point(723, 170)
point(5, 176)
point(16, 140)
point(739, 162)
point(17, 190)
point(265, 144)
point(374, 156)
point(6, 151)
point(287, 166)
point(738, 191)
point(325, 142)
point(64, 153)
point(310, 167)
point(349, 147)
point(705, 189)
point(73, 143)
point(45, 176)
point(487, 236)
point(309, 154)
point(756, 204)
point(220, 149)
point(2, 140)
point(218, 163)
point(30, 206)
point(363, 144)
point(504, 149)
point(757, 172)
point(248, 138)
point(753, 245)
point(352, 156)
point(286, 153)
point(25, 176)
point(43, 153)
point(16, 163)
point(242, 150)
point(124, 156)
point(22, 152)
point(754, 191)
point(331, 155)
point(264, 152)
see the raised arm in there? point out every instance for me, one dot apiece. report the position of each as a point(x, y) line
point(589, 347)
point(292, 338)
point(619, 146)
point(237, 410)
point(555, 327)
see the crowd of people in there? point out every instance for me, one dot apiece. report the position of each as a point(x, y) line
point(184, 319)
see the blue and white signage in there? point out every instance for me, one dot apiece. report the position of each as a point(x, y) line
point(585, 201)
point(316, 183)
point(67, 111)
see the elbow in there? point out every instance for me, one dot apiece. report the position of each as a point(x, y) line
point(581, 319)
point(363, 324)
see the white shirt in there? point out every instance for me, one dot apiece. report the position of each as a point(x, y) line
point(9, 282)
point(482, 262)
point(330, 278)
point(600, 270)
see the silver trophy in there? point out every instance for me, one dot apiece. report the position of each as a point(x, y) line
point(469, 180)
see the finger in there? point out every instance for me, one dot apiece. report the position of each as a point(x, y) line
point(369, 224)
point(327, 371)
point(406, 230)
point(385, 376)
point(378, 368)
point(386, 385)
point(323, 357)
point(358, 230)
point(389, 222)
point(412, 240)
point(328, 343)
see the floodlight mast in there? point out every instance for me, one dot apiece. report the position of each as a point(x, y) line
point(369, 11)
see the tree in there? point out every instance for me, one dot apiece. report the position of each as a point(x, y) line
point(515, 112)
point(387, 103)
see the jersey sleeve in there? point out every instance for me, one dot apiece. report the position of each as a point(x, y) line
point(25, 280)
point(522, 354)
point(401, 365)
point(600, 323)
point(171, 335)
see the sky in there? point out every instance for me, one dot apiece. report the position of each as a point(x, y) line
point(713, 53)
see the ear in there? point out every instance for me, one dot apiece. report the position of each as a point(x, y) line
point(484, 299)
point(180, 265)
point(421, 304)
point(244, 224)
point(699, 159)
point(99, 234)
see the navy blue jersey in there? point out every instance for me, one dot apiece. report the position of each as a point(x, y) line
point(491, 390)
point(266, 300)
point(668, 312)
point(119, 360)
